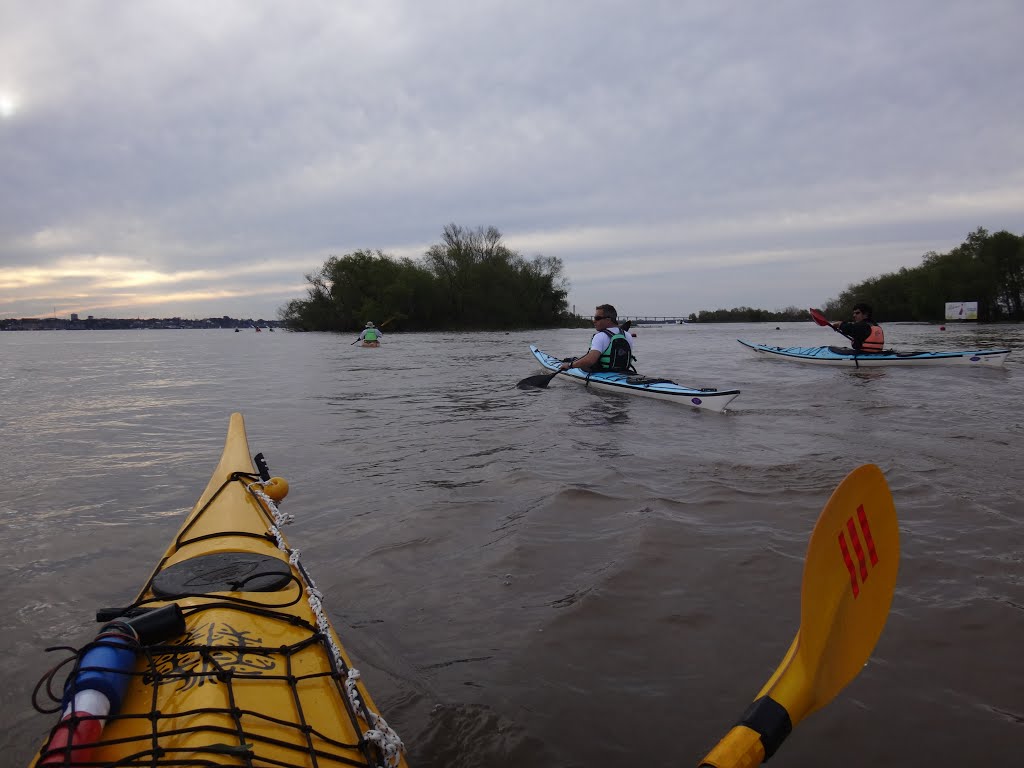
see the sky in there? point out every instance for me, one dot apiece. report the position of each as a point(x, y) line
point(198, 159)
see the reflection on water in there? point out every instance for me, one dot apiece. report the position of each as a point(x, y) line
point(551, 577)
point(867, 374)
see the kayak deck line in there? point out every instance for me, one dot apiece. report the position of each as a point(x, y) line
point(254, 675)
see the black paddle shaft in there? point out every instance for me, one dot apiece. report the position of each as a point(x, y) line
point(537, 382)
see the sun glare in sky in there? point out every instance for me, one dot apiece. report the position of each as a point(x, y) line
point(8, 105)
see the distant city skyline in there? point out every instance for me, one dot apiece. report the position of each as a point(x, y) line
point(75, 323)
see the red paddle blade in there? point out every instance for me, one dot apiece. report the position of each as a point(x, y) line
point(819, 318)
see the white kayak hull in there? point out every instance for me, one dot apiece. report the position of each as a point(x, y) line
point(829, 356)
point(642, 386)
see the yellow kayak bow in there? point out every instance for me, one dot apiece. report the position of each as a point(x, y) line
point(255, 674)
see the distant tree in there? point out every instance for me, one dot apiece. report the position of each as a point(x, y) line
point(985, 268)
point(470, 280)
point(1001, 262)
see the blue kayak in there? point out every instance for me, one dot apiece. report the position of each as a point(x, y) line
point(644, 386)
point(845, 356)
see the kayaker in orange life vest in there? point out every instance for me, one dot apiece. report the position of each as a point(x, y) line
point(865, 334)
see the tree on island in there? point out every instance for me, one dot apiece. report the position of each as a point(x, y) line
point(468, 281)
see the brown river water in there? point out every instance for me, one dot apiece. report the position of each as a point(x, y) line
point(543, 578)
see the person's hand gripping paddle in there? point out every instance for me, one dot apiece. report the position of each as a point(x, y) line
point(848, 583)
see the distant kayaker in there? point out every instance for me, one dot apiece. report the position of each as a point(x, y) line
point(371, 333)
point(865, 334)
point(611, 349)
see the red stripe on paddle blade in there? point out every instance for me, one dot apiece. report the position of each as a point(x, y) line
point(858, 548)
point(849, 564)
point(866, 530)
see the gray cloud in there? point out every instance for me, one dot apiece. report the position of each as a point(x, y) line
point(675, 155)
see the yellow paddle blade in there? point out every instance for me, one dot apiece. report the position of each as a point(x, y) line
point(848, 583)
point(850, 572)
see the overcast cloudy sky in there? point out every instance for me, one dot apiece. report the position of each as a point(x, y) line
point(183, 158)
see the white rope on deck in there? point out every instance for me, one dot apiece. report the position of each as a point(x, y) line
point(380, 732)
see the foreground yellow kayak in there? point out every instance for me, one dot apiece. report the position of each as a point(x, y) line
point(226, 656)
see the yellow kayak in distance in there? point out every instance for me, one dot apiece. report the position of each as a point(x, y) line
point(225, 658)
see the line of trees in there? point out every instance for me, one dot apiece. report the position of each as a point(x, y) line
point(472, 281)
point(468, 281)
point(749, 315)
point(987, 268)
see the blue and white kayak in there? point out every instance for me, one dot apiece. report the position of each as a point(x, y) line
point(644, 386)
point(841, 356)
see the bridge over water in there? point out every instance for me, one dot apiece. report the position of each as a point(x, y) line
point(652, 319)
point(655, 319)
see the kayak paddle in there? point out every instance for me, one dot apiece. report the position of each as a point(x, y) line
point(539, 381)
point(848, 584)
point(543, 379)
point(820, 319)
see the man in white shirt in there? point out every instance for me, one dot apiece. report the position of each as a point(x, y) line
point(611, 349)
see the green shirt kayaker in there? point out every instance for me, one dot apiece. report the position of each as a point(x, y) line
point(371, 333)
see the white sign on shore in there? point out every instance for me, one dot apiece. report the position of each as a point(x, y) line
point(961, 310)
